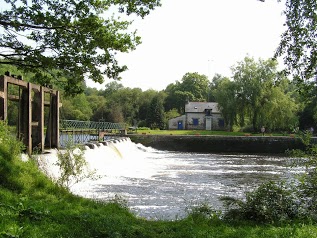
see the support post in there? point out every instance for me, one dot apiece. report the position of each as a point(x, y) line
point(3, 98)
point(52, 133)
point(29, 120)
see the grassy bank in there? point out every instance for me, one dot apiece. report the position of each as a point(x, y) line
point(202, 132)
point(33, 206)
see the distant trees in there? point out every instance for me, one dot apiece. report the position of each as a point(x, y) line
point(155, 114)
point(192, 87)
point(257, 97)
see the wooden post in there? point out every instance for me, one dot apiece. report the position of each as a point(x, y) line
point(52, 133)
point(29, 119)
point(38, 118)
point(3, 98)
point(55, 122)
point(41, 121)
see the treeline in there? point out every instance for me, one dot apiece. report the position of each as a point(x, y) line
point(256, 95)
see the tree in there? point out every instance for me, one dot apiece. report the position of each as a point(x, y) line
point(73, 39)
point(195, 84)
point(129, 101)
point(257, 96)
point(192, 87)
point(252, 81)
point(298, 43)
point(155, 118)
point(76, 108)
point(226, 96)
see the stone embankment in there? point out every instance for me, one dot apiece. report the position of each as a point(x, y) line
point(219, 144)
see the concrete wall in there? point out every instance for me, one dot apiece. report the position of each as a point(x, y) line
point(187, 122)
point(218, 144)
point(201, 121)
point(173, 123)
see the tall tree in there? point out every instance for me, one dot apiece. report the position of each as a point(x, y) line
point(155, 117)
point(70, 38)
point(226, 96)
point(192, 87)
point(298, 44)
point(254, 97)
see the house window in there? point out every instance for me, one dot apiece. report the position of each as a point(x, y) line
point(208, 112)
point(195, 121)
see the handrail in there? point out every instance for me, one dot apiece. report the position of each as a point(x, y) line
point(74, 124)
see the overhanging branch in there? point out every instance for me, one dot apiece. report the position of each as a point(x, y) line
point(18, 24)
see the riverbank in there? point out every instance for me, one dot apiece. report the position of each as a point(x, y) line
point(34, 206)
point(219, 144)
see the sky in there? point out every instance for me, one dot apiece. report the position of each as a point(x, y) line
point(203, 36)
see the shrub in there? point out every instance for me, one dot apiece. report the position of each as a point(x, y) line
point(72, 165)
point(271, 202)
point(10, 149)
point(276, 202)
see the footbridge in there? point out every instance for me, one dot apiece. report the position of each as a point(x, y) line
point(84, 131)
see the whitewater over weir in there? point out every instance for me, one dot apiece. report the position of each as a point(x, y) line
point(164, 184)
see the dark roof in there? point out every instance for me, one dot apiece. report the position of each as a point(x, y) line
point(201, 107)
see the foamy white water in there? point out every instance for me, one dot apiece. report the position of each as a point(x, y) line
point(162, 185)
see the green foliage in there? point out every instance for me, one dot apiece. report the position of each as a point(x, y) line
point(256, 95)
point(192, 87)
point(307, 181)
point(155, 116)
point(68, 38)
point(73, 166)
point(282, 202)
point(10, 150)
point(298, 44)
point(270, 202)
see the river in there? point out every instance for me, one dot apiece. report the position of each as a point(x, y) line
point(164, 184)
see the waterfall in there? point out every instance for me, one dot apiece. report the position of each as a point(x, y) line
point(114, 157)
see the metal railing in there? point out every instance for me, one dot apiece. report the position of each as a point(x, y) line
point(90, 125)
point(80, 132)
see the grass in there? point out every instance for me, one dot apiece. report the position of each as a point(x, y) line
point(203, 132)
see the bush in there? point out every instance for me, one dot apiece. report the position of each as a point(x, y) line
point(10, 149)
point(277, 202)
point(72, 165)
point(270, 202)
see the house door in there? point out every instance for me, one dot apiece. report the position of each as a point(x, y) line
point(208, 123)
point(180, 125)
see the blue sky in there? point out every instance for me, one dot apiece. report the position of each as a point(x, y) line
point(204, 36)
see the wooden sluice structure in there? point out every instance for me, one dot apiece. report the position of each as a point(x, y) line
point(31, 121)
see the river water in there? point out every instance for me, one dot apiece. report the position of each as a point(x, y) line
point(163, 184)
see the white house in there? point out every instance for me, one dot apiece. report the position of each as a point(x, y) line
point(198, 116)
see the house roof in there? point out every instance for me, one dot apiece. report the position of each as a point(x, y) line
point(201, 107)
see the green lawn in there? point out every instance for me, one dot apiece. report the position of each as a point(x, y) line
point(203, 132)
